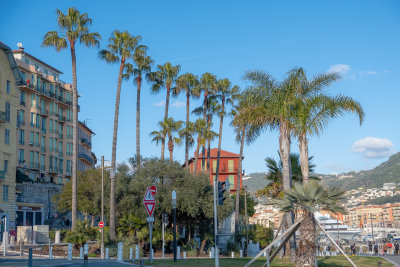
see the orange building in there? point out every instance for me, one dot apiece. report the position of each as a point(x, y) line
point(228, 166)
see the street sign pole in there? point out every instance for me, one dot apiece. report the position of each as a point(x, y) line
point(151, 220)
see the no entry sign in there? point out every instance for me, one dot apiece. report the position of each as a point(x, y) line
point(149, 201)
point(101, 224)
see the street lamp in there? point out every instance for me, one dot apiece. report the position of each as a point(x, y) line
point(174, 218)
point(102, 205)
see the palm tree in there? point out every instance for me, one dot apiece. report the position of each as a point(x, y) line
point(168, 128)
point(187, 82)
point(121, 46)
point(274, 176)
point(208, 87)
point(74, 27)
point(226, 94)
point(275, 109)
point(308, 198)
point(314, 109)
point(142, 67)
point(199, 128)
point(164, 76)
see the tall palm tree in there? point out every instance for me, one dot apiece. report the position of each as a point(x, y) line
point(207, 85)
point(121, 46)
point(308, 198)
point(169, 127)
point(275, 109)
point(199, 128)
point(227, 94)
point(187, 82)
point(74, 27)
point(314, 109)
point(142, 66)
point(165, 76)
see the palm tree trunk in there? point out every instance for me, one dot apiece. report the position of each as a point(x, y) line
point(196, 157)
point(208, 143)
point(284, 151)
point(139, 85)
point(165, 117)
point(203, 160)
point(187, 123)
point(171, 149)
point(239, 177)
point(113, 155)
point(306, 252)
point(303, 148)
point(220, 138)
point(74, 214)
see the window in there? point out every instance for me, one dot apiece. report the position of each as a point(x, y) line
point(51, 163)
point(21, 137)
point(51, 144)
point(6, 136)
point(5, 192)
point(60, 147)
point(51, 108)
point(51, 125)
point(31, 136)
point(7, 111)
point(36, 158)
point(42, 143)
point(214, 165)
point(68, 166)
point(23, 75)
point(21, 116)
point(59, 180)
point(42, 167)
point(42, 105)
point(43, 125)
point(231, 179)
point(22, 98)
point(21, 156)
point(38, 218)
point(37, 139)
point(230, 165)
point(8, 87)
point(5, 166)
point(31, 159)
point(33, 100)
point(33, 118)
point(37, 101)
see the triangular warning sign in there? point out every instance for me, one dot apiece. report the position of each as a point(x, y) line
point(148, 196)
point(150, 208)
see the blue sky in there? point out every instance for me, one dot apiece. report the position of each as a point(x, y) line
point(358, 38)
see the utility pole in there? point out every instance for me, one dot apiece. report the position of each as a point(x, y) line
point(102, 206)
point(372, 228)
point(216, 259)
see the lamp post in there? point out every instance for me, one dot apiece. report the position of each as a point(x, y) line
point(174, 219)
point(102, 206)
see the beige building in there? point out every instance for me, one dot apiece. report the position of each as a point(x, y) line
point(86, 158)
point(10, 78)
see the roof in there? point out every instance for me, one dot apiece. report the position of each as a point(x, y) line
point(214, 152)
point(13, 64)
point(85, 126)
point(22, 51)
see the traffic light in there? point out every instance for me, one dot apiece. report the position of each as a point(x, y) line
point(222, 187)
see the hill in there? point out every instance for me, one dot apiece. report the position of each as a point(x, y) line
point(387, 172)
point(254, 181)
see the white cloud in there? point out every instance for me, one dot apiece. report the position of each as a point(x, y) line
point(373, 147)
point(340, 68)
point(178, 104)
point(159, 104)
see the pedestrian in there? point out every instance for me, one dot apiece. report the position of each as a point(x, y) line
point(370, 248)
point(375, 248)
point(396, 248)
point(389, 246)
point(385, 248)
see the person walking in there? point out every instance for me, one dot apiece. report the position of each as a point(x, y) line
point(396, 248)
point(375, 248)
point(389, 248)
point(370, 248)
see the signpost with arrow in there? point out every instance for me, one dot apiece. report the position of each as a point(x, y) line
point(149, 202)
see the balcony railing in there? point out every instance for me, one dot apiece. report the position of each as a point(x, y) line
point(34, 165)
point(86, 157)
point(2, 116)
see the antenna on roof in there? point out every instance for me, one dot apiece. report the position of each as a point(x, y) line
point(20, 46)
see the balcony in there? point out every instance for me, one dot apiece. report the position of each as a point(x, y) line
point(34, 165)
point(86, 157)
point(21, 162)
point(22, 103)
point(31, 86)
point(2, 117)
point(2, 175)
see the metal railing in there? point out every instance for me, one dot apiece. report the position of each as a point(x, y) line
point(86, 157)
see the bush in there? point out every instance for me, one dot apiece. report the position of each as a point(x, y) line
point(232, 246)
point(81, 234)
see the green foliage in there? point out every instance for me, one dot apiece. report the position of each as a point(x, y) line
point(81, 234)
point(259, 233)
point(251, 203)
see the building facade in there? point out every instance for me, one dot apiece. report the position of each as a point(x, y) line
point(86, 158)
point(228, 168)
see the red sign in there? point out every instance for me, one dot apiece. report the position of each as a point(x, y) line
point(149, 201)
point(101, 224)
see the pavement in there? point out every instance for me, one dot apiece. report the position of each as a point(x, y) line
point(63, 263)
point(393, 259)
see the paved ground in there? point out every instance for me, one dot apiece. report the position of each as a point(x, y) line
point(62, 263)
point(394, 259)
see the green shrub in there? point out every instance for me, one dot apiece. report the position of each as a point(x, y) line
point(81, 234)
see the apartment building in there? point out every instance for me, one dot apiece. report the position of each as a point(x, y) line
point(44, 151)
point(387, 215)
point(10, 78)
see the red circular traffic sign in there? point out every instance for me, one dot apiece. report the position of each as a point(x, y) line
point(101, 224)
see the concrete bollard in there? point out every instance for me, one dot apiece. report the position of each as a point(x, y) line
point(184, 255)
point(130, 253)
point(212, 252)
point(107, 253)
point(69, 251)
point(120, 251)
point(57, 237)
point(241, 253)
point(178, 252)
point(81, 253)
point(137, 251)
point(232, 254)
point(50, 252)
